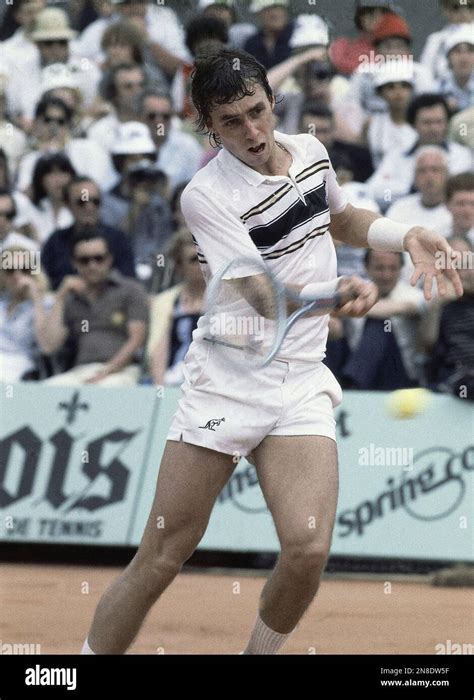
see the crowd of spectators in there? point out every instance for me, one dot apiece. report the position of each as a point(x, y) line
point(97, 142)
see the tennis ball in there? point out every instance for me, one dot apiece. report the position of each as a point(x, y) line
point(406, 403)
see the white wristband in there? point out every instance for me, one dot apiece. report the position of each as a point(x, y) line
point(388, 235)
point(319, 290)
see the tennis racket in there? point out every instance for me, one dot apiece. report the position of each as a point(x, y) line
point(249, 312)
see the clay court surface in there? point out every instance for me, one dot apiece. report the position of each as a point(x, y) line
point(205, 613)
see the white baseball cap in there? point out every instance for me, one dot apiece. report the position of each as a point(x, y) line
point(132, 138)
point(259, 5)
point(309, 30)
point(393, 72)
point(463, 35)
point(203, 4)
point(58, 75)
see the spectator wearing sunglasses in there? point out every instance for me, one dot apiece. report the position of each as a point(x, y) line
point(459, 15)
point(52, 133)
point(83, 198)
point(175, 313)
point(178, 153)
point(52, 36)
point(103, 314)
point(24, 301)
point(9, 234)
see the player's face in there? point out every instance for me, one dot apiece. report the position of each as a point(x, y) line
point(245, 128)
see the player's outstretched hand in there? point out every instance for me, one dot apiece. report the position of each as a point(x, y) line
point(358, 296)
point(433, 258)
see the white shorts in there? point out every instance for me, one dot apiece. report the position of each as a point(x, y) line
point(232, 413)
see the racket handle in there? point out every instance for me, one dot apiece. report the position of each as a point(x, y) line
point(317, 291)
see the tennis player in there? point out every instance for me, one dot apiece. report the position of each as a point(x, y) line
point(270, 195)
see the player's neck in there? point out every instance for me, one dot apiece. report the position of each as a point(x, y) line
point(278, 163)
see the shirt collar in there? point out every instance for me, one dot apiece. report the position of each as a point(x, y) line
point(249, 174)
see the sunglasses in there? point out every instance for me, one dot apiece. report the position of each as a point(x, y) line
point(129, 85)
point(10, 214)
point(51, 42)
point(54, 120)
point(402, 83)
point(92, 200)
point(151, 116)
point(86, 259)
point(12, 270)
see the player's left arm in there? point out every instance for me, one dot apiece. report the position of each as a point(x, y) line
point(431, 254)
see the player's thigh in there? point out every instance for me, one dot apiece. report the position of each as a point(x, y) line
point(189, 481)
point(299, 479)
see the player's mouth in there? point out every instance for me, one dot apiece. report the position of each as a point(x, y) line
point(257, 149)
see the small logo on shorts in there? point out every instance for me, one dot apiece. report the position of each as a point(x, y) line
point(213, 423)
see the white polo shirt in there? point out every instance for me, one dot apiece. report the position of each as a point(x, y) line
point(234, 211)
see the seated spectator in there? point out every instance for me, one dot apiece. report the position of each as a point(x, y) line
point(135, 205)
point(429, 115)
point(49, 210)
point(52, 35)
point(271, 43)
point(458, 13)
point(346, 53)
point(384, 342)
point(83, 199)
point(224, 10)
point(178, 153)
point(392, 40)
point(203, 34)
point(458, 85)
point(24, 13)
point(113, 309)
point(120, 88)
point(59, 80)
point(23, 302)
point(460, 202)
point(9, 234)
point(53, 121)
point(12, 139)
point(320, 122)
point(175, 313)
point(448, 332)
point(390, 131)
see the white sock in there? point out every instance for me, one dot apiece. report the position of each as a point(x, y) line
point(86, 648)
point(263, 640)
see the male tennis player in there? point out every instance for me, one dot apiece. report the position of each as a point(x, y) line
point(271, 195)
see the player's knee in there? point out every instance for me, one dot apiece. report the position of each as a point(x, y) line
point(305, 559)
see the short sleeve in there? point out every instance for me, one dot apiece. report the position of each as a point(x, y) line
point(219, 234)
point(137, 304)
point(337, 198)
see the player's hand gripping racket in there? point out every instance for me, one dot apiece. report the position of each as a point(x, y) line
point(249, 312)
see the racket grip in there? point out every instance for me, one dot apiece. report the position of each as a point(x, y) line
point(316, 291)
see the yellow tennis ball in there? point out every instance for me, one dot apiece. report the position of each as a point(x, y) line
point(406, 403)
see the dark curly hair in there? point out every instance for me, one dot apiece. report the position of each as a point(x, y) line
point(224, 76)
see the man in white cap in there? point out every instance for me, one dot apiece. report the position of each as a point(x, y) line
point(460, 14)
point(271, 44)
point(458, 85)
point(224, 10)
point(53, 36)
point(389, 131)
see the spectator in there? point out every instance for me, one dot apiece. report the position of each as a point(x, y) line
point(448, 332)
point(178, 153)
point(121, 88)
point(427, 207)
point(9, 235)
point(384, 342)
point(59, 80)
point(429, 115)
point(224, 10)
point(114, 309)
point(53, 121)
point(392, 38)
point(161, 31)
point(175, 313)
point(52, 36)
point(135, 205)
point(457, 86)
point(390, 131)
point(459, 14)
point(460, 202)
point(49, 212)
point(83, 199)
point(25, 13)
point(178, 217)
point(271, 43)
point(202, 34)
point(23, 303)
point(320, 122)
point(12, 139)
point(346, 53)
